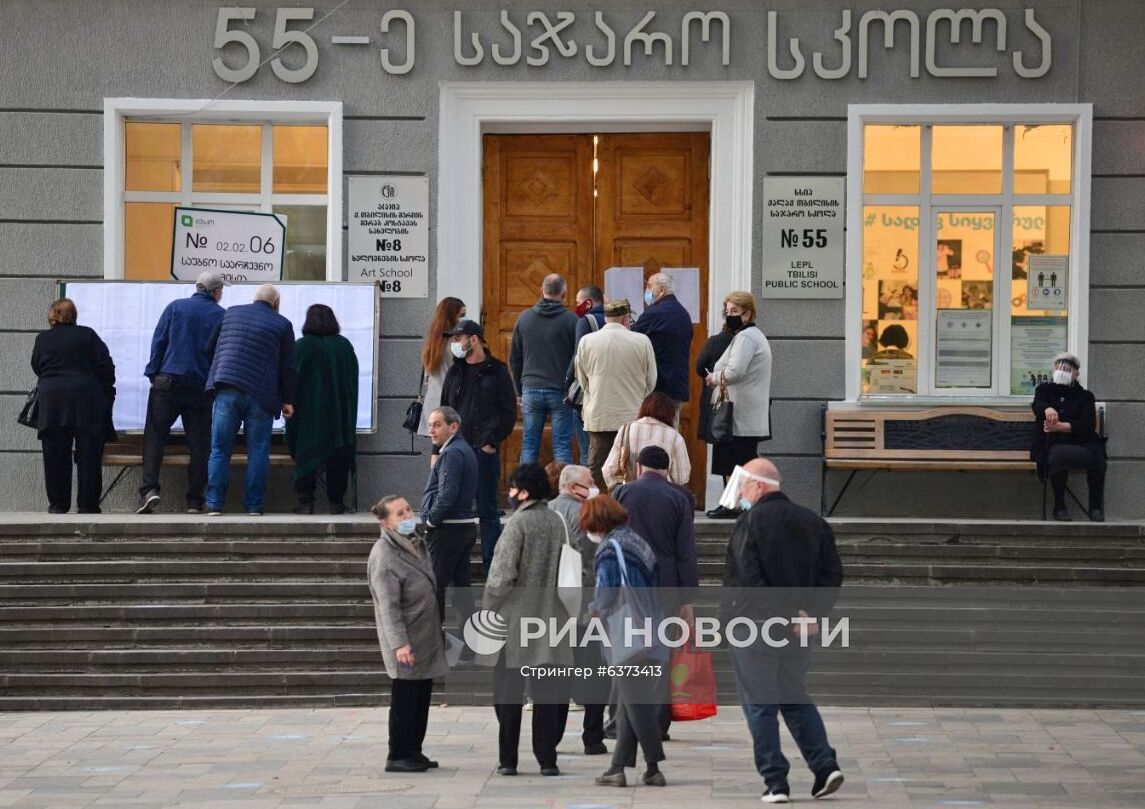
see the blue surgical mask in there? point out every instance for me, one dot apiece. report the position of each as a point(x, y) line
point(745, 504)
point(407, 527)
point(649, 298)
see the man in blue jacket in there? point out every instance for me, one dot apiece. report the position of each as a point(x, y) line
point(253, 378)
point(447, 510)
point(669, 326)
point(178, 371)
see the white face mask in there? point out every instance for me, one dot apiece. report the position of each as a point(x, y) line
point(1063, 377)
point(458, 350)
point(595, 538)
point(592, 492)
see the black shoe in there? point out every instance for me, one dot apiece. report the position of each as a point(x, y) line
point(303, 508)
point(337, 508)
point(779, 794)
point(426, 760)
point(57, 510)
point(551, 771)
point(195, 508)
point(654, 778)
point(597, 749)
point(506, 770)
point(664, 737)
point(721, 513)
point(1061, 514)
point(405, 765)
point(826, 782)
point(148, 502)
point(1097, 515)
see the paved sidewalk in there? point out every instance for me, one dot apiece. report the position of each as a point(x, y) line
point(267, 759)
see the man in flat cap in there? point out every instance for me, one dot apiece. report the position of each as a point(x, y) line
point(1066, 436)
point(616, 369)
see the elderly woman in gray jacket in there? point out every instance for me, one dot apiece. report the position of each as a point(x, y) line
point(522, 582)
point(409, 630)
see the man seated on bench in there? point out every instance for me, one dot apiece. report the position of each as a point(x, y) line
point(1066, 438)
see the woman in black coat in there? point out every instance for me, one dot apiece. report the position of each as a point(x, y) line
point(76, 389)
point(1065, 439)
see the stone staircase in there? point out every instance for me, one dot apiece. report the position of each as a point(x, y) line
point(187, 612)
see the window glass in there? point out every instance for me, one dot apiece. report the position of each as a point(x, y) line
point(891, 159)
point(966, 160)
point(147, 240)
point(1043, 159)
point(964, 299)
point(300, 159)
point(305, 258)
point(152, 157)
point(1039, 260)
point(227, 158)
point(890, 299)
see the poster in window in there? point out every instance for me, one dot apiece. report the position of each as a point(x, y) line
point(1033, 343)
point(963, 348)
point(1047, 282)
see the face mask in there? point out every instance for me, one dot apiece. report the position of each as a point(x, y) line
point(649, 298)
point(514, 503)
point(458, 350)
point(407, 527)
point(734, 322)
point(592, 492)
point(595, 538)
point(1063, 377)
point(745, 504)
point(583, 307)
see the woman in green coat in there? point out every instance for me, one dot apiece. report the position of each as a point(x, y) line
point(322, 432)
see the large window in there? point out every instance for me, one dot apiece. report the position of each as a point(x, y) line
point(248, 156)
point(966, 251)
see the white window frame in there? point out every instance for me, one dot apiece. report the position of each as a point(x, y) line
point(117, 111)
point(1080, 116)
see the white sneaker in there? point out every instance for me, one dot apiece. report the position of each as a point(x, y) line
point(214, 513)
point(777, 795)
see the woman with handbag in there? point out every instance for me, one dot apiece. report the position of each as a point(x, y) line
point(76, 390)
point(741, 395)
point(626, 579)
point(436, 359)
point(653, 426)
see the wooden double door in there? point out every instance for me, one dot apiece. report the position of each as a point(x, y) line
point(579, 204)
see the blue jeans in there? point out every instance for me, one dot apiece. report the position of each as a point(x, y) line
point(535, 405)
point(771, 681)
point(233, 407)
point(580, 436)
point(488, 477)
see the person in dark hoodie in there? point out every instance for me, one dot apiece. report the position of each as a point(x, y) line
point(544, 340)
point(478, 386)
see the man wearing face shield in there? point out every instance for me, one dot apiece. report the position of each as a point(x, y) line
point(781, 563)
point(1065, 438)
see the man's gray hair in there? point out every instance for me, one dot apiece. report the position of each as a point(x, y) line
point(554, 285)
point(450, 415)
point(663, 281)
point(267, 293)
point(572, 474)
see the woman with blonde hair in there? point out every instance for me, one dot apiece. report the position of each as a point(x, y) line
point(76, 390)
point(436, 358)
point(653, 426)
point(742, 375)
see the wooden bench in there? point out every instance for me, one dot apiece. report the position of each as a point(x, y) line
point(939, 439)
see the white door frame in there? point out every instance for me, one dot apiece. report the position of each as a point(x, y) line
point(471, 109)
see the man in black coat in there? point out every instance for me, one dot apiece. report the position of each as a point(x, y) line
point(479, 387)
point(668, 325)
point(663, 513)
point(782, 563)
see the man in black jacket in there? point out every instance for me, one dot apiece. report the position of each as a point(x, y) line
point(781, 562)
point(479, 388)
point(668, 325)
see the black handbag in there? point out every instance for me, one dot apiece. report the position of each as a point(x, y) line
point(30, 412)
point(413, 413)
point(722, 424)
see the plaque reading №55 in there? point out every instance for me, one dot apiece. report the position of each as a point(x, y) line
point(803, 237)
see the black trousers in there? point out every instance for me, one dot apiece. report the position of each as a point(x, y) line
point(1063, 458)
point(593, 725)
point(637, 724)
point(337, 478)
point(409, 717)
point(550, 714)
point(450, 548)
point(163, 407)
point(57, 444)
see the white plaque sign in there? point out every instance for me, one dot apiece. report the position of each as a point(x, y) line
point(1046, 280)
point(389, 234)
point(242, 247)
point(803, 237)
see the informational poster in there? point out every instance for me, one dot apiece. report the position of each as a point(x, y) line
point(892, 376)
point(242, 247)
point(625, 282)
point(803, 237)
point(1033, 343)
point(963, 348)
point(389, 234)
point(687, 285)
point(1046, 280)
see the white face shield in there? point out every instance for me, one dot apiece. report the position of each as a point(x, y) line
point(730, 497)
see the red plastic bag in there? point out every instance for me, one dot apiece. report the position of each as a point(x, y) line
point(693, 684)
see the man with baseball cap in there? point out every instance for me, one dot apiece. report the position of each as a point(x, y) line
point(1066, 438)
point(478, 386)
point(178, 371)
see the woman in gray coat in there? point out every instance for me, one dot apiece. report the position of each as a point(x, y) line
point(409, 630)
point(522, 582)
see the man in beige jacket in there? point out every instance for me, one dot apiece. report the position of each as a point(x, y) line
point(616, 369)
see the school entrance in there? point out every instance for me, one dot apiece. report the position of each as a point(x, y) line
point(577, 204)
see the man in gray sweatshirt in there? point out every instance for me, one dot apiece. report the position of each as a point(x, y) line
point(544, 339)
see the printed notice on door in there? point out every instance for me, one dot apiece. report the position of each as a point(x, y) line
point(389, 234)
point(803, 237)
